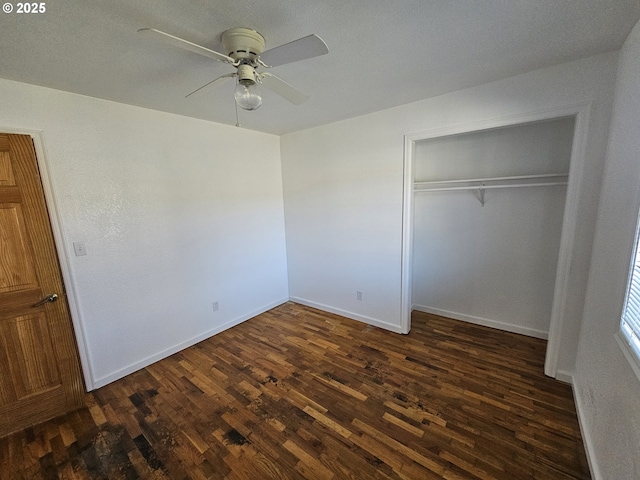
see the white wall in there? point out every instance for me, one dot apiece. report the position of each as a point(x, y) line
point(607, 390)
point(176, 213)
point(343, 190)
point(494, 264)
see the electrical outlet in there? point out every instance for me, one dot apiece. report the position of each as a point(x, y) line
point(216, 306)
point(359, 295)
point(79, 248)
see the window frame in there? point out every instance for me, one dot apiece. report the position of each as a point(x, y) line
point(625, 335)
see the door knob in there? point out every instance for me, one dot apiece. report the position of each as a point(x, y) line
point(52, 297)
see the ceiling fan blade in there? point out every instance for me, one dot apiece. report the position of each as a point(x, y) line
point(185, 45)
point(211, 85)
point(282, 88)
point(301, 49)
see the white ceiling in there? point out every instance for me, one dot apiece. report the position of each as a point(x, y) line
point(382, 53)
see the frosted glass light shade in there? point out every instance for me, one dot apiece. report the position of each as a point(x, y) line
point(248, 96)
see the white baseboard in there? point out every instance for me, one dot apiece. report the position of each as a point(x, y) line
point(564, 376)
point(134, 367)
point(487, 322)
point(345, 313)
point(586, 438)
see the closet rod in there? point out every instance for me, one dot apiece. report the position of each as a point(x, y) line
point(487, 187)
point(498, 179)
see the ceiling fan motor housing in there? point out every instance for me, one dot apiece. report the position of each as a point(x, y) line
point(243, 44)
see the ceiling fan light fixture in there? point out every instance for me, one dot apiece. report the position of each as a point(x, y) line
point(247, 93)
point(248, 96)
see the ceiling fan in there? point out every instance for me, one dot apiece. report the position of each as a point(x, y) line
point(246, 52)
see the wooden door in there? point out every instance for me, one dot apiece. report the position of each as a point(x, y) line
point(39, 369)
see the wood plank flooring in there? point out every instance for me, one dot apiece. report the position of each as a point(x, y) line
point(296, 393)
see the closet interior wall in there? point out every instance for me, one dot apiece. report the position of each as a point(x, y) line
point(488, 219)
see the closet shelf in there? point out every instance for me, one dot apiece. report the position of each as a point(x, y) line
point(544, 180)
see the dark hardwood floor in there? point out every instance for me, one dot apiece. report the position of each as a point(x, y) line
point(296, 393)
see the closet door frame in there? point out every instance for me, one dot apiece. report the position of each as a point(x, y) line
point(581, 113)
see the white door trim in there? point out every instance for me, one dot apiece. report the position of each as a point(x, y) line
point(581, 112)
point(62, 251)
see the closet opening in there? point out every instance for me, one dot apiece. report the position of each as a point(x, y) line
point(488, 221)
